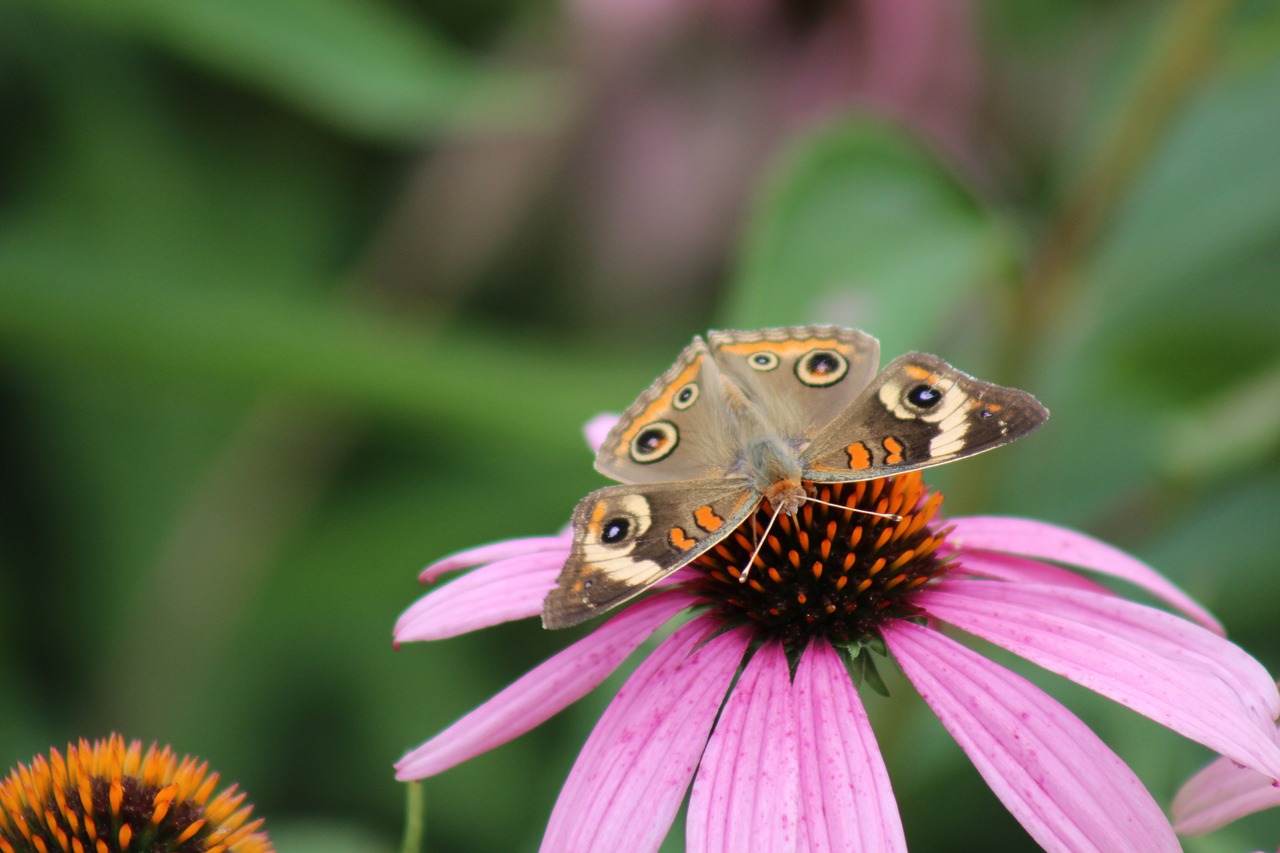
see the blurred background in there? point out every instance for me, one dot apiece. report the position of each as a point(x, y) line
point(297, 296)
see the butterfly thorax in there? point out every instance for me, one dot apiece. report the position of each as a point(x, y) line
point(775, 470)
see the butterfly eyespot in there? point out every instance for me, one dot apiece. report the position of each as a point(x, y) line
point(654, 442)
point(925, 397)
point(615, 530)
point(686, 396)
point(821, 367)
point(763, 361)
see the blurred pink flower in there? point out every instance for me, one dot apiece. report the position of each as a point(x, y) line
point(637, 190)
point(691, 101)
point(1221, 793)
point(783, 757)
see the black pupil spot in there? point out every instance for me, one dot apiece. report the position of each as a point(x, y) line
point(986, 413)
point(823, 363)
point(685, 395)
point(615, 530)
point(762, 360)
point(924, 396)
point(651, 439)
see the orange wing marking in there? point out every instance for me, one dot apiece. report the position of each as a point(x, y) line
point(597, 518)
point(921, 375)
point(707, 519)
point(680, 540)
point(859, 456)
point(893, 448)
point(783, 349)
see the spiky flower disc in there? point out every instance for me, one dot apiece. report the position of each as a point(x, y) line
point(834, 572)
point(107, 797)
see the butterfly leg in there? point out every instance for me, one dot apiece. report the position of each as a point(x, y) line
point(742, 578)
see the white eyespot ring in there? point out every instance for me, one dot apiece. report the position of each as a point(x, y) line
point(763, 361)
point(625, 520)
point(685, 397)
point(654, 441)
point(821, 367)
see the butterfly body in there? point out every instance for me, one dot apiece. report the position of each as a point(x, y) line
point(768, 463)
point(747, 417)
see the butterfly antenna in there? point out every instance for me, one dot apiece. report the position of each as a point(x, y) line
point(742, 578)
point(887, 515)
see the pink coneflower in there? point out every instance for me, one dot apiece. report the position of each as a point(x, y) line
point(1221, 793)
point(750, 699)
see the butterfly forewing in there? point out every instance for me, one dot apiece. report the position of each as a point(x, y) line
point(675, 430)
point(627, 538)
point(920, 411)
point(799, 377)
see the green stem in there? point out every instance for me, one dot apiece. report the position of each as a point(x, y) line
point(415, 818)
point(1182, 51)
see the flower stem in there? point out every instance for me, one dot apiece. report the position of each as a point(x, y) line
point(1183, 49)
point(415, 818)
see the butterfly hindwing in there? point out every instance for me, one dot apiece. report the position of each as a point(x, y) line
point(675, 430)
point(627, 538)
point(799, 377)
point(920, 411)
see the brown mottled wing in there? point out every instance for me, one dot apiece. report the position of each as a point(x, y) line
point(920, 411)
point(627, 538)
point(799, 377)
point(676, 429)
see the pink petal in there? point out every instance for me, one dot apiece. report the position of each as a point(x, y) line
point(1050, 542)
point(747, 794)
point(1219, 794)
point(1062, 783)
point(499, 592)
point(1160, 665)
point(1008, 567)
point(631, 777)
point(503, 550)
point(849, 805)
point(597, 429)
point(543, 691)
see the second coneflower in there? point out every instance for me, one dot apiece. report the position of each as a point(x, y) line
point(109, 797)
point(752, 696)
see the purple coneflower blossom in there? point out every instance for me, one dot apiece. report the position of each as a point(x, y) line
point(750, 699)
point(1221, 793)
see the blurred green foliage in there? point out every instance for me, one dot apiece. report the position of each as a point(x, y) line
point(245, 405)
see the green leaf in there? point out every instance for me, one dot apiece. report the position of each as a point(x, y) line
point(862, 225)
point(860, 660)
point(360, 64)
point(1210, 195)
point(259, 341)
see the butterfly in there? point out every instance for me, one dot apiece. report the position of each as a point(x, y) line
point(747, 417)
